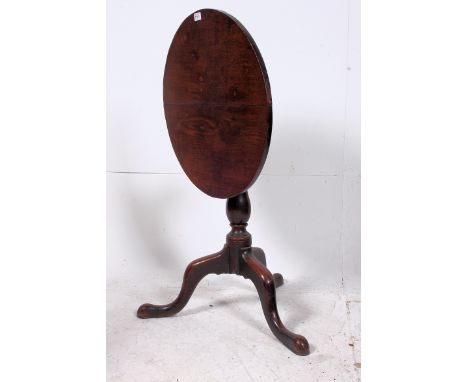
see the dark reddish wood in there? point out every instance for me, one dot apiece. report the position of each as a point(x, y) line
point(217, 103)
point(264, 281)
point(238, 257)
point(260, 256)
point(196, 270)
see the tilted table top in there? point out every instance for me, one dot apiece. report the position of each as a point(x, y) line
point(217, 103)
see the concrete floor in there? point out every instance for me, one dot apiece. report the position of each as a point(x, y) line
point(221, 335)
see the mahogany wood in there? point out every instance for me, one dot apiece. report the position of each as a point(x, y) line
point(238, 257)
point(217, 104)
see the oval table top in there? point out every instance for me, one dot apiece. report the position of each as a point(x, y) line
point(217, 103)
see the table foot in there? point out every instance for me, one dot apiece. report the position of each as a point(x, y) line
point(195, 272)
point(253, 269)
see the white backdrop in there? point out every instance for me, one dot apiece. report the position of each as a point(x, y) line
point(306, 202)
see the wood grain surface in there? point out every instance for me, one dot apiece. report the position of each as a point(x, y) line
point(217, 103)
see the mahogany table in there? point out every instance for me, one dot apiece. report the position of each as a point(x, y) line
point(218, 109)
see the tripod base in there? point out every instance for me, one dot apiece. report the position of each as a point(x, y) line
point(239, 257)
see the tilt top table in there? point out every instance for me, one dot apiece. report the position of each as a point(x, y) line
point(218, 109)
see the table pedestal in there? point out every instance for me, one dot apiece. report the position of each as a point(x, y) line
point(238, 257)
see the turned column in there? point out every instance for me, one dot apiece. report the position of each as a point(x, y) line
point(238, 239)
